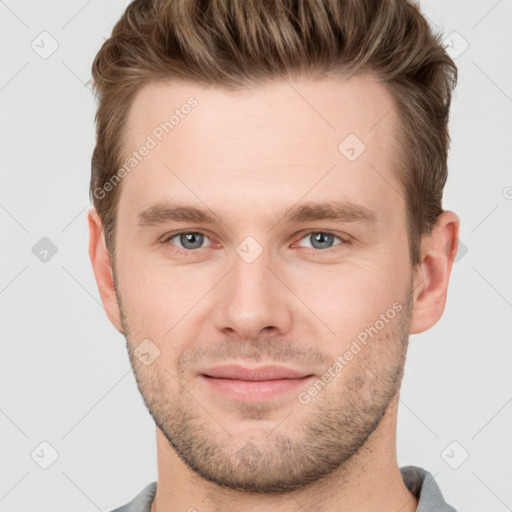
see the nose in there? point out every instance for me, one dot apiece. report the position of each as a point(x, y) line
point(253, 302)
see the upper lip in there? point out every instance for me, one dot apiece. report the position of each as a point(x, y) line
point(233, 371)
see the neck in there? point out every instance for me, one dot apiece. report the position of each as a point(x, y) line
point(369, 481)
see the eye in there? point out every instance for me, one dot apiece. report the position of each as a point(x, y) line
point(188, 240)
point(323, 239)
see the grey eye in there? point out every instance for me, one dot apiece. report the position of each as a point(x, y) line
point(321, 240)
point(191, 240)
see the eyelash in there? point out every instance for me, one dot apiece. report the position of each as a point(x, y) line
point(189, 252)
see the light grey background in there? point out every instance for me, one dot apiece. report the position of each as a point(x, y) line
point(65, 373)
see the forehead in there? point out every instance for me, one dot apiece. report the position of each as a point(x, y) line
point(264, 146)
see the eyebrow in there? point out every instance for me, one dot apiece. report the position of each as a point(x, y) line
point(161, 213)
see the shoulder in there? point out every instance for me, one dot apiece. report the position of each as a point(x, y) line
point(423, 485)
point(141, 502)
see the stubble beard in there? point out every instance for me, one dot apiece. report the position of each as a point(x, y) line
point(325, 434)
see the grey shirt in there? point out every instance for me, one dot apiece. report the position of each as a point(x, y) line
point(420, 482)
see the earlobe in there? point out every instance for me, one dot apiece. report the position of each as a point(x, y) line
point(433, 272)
point(102, 267)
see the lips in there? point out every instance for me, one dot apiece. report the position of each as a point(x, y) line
point(261, 384)
point(262, 373)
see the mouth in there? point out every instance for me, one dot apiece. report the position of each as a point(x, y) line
point(253, 384)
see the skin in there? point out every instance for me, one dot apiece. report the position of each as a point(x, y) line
point(248, 156)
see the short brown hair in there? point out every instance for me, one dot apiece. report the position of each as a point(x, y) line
point(234, 44)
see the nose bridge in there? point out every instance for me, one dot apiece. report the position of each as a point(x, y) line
point(250, 273)
point(252, 299)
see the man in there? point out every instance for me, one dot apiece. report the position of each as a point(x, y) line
point(267, 232)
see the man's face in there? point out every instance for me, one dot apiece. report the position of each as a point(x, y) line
point(258, 287)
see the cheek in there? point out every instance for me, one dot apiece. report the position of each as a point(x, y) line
point(349, 298)
point(157, 297)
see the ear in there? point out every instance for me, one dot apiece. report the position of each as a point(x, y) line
point(438, 251)
point(102, 267)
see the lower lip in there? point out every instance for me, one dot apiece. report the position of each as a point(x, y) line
point(246, 390)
